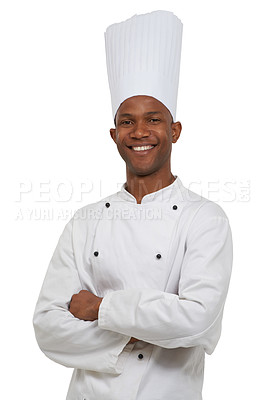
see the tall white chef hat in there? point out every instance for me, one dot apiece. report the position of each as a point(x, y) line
point(143, 58)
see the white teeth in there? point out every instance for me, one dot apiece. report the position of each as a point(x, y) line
point(142, 148)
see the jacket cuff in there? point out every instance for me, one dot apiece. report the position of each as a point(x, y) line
point(126, 348)
point(103, 313)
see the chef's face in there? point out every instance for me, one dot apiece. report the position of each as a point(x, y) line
point(144, 135)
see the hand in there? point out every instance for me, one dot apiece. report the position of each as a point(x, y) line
point(85, 305)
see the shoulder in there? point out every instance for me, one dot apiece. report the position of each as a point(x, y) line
point(201, 215)
point(199, 206)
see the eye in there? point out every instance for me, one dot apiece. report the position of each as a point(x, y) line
point(126, 122)
point(155, 120)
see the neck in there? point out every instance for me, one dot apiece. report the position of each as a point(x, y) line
point(141, 185)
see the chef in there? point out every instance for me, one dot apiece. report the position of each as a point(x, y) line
point(134, 294)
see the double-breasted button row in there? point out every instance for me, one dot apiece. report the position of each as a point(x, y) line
point(96, 253)
point(107, 205)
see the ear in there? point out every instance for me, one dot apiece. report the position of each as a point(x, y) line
point(113, 134)
point(176, 131)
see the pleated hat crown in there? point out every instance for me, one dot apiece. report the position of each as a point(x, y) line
point(143, 58)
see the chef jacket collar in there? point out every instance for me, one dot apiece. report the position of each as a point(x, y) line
point(172, 191)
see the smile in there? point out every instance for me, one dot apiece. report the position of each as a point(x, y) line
point(142, 148)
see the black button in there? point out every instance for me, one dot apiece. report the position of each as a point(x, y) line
point(140, 356)
point(107, 205)
point(158, 256)
point(175, 207)
point(96, 253)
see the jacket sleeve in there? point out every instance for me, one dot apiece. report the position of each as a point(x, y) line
point(193, 316)
point(64, 338)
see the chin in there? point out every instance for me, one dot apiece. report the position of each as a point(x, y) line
point(142, 171)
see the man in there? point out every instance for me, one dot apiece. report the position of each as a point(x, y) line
point(135, 291)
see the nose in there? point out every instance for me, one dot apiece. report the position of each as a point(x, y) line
point(140, 130)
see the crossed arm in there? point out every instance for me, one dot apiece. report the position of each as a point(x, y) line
point(90, 332)
point(85, 306)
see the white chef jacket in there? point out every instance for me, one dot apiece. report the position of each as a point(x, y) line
point(163, 269)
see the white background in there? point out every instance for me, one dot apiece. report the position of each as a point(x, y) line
point(55, 146)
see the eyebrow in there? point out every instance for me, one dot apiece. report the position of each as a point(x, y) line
point(153, 112)
point(147, 113)
point(125, 115)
